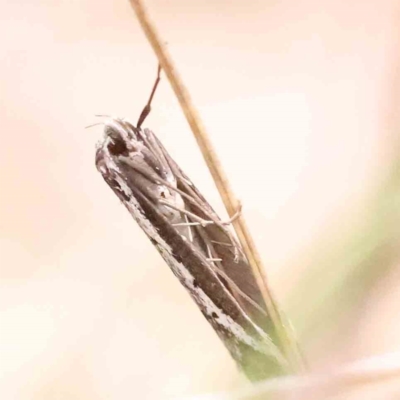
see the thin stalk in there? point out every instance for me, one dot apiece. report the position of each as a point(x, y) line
point(287, 343)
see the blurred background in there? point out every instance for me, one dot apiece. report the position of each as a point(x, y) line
point(301, 99)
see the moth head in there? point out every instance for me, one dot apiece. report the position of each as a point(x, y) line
point(121, 137)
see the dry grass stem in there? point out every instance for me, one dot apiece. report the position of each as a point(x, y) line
point(232, 204)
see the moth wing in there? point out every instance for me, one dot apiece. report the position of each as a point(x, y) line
point(222, 243)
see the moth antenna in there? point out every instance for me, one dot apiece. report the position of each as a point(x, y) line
point(98, 123)
point(147, 107)
point(92, 125)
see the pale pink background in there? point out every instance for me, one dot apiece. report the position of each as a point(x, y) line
point(299, 99)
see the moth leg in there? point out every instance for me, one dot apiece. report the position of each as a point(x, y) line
point(187, 224)
point(194, 198)
point(235, 216)
point(199, 220)
point(236, 289)
point(190, 234)
point(233, 286)
point(186, 196)
point(236, 250)
point(213, 219)
point(211, 256)
point(232, 219)
point(202, 222)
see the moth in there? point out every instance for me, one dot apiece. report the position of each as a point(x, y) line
point(197, 245)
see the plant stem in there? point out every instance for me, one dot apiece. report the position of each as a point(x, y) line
point(284, 334)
